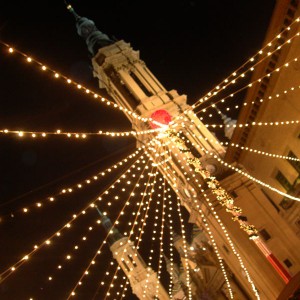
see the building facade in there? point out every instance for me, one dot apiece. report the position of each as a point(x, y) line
point(275, 99)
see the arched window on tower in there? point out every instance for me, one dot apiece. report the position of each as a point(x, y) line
point(140, 84)
point(132, 260)
point(130, 98)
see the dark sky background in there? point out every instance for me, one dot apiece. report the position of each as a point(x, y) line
point(189, 45)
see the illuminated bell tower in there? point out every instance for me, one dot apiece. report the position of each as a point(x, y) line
point(133, 87)
point(143, 280)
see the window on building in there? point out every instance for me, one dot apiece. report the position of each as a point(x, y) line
point(288, 263)
point(270, 200)
point(265, 234)
point(283, 181)
point(126, 266)
point(294, 3)
point(233, 194)
point(286, 203)
point(132, 260)
point(291, 13)
point(140, 84)
point(294, 163)
point(226, 249)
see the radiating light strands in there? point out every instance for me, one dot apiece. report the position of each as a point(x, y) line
point(261, 152)
point(68, 81)
point(131, 232)
point(68, 257)
point(186, 260)
point(47, 241)
point(276, 96)
point(211, 208)
point(76, 247)
point(257, 124)
point(252, 150)
point(230, 242)
point(171, 233)
point(161, 243)
point(77, 135)
point(143, 222)
point(226, 200)
point(126, 204)
point(269, 74)
point(78, 186)
point(231, 79)
point(217, 253)
point(256, 180)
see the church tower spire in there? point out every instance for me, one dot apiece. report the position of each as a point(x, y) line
point(87, 29)
point(229, 124)
point(143, 280)
point(114, 234)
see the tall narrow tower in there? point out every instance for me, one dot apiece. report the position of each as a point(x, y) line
point(132, 85)
point(143, 280)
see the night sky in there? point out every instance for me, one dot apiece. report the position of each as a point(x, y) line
point(189, 45)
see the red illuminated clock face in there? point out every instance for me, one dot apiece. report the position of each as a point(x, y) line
point(160, 116)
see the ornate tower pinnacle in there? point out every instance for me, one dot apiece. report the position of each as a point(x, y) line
point(87, 29)
point(228, 124)
point(114, 234)
point(144, 281)
point(174, 273)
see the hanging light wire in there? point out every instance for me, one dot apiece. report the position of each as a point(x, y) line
point(68, 81)
point(227, 81)
point(72, 293)
point(6, 273)
point(78, 135)
point(246, 174)
point(131, 232)
point(256, 124)
point(285, 65)
point(78, 186)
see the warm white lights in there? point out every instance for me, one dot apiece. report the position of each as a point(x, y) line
point(230, 80)
point(79, 135)
point(78, 86)
point(275, 123)
point(138, 187)
point(257, 180)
